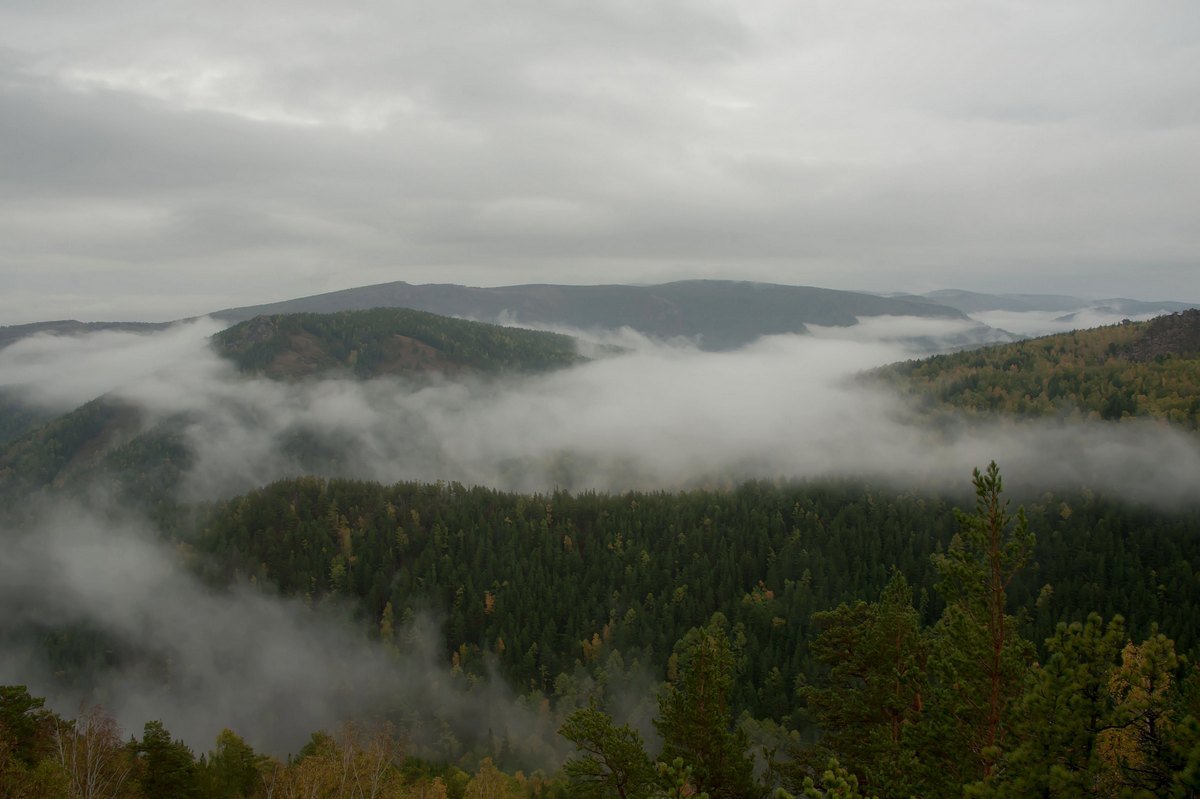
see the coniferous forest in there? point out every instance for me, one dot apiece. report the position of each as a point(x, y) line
point(768, 638)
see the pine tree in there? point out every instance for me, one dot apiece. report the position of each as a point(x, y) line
point(977, 658)
point(166, 767)
point(695, 718)
point(875, 690)
point(614, 762)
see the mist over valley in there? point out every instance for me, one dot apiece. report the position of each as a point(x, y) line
point(167, 428)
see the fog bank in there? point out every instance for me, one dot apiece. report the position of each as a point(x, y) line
point(272, 669)
point(657, 416)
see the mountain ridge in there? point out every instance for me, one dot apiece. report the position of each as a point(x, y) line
point(719, 314)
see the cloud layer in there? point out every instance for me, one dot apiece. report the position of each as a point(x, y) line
point(658, 416)
point(206, 659)
point(162, 160)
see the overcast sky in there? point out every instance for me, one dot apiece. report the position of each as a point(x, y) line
point(168, 158)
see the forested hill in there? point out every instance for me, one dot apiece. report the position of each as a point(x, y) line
point(381, 341)
point(765, 614)
point(1133, 369)
point(540, 583)
point(111, 438)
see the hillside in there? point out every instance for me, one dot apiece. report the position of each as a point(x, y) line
point(106, 437)
point(68, 446)
point(540, 582)
point(386, 341)
point(18, 416)
point(720, 314)
point(1135, 369)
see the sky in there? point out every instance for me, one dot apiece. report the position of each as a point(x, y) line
point(166, 159)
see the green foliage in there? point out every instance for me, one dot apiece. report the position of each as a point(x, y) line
point(166, 767)
point(836, 783)
point(388, 341)
point(875, 689)
point(695, 718)
point(1100, 717)
point(18, 418)
point(1112, 372)
point(677, 781)
point(22, 723)
point(978, 655)
point(614, 760)
point(29, 766)
point(233, 769)
point(543, 583)
point(68, 445)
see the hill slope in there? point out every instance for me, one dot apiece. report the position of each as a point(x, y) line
point(388, 341)
point(542, 581)
point(1149, 369)
point(110, 438)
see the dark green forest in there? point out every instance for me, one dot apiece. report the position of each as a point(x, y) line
point(861, 641)
point(388, 341)
point(828, 638)
point(542, 582)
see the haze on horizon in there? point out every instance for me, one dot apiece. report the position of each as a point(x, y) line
point(163, 160)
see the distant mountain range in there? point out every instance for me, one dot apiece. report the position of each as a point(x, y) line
point(974, 302)
point(71, 327)
point(718, 314)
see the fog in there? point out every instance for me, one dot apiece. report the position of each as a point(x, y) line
point(653, 416)
point(272, 669)
point(1044, 323)
point(658, 416)
point(62, 372)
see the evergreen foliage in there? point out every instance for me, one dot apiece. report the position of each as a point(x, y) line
point(614, 761)
point(695, 717)
point(932, 689)
point(1114, 372)
point(543, 583)
point(388, 341)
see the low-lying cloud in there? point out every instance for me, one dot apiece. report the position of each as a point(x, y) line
point(206, 658)
point(61, 372)
point(1045, 323)
point(656, 416)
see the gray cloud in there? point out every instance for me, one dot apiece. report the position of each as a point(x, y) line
point(162, 160)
